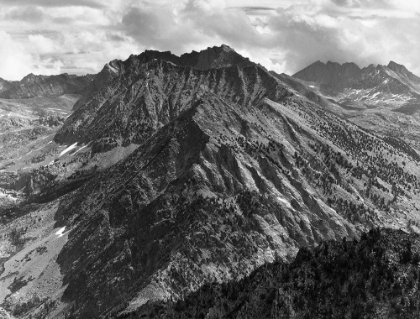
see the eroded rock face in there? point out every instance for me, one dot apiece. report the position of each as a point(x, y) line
point(209, 197)
point(234, 168)
point(187, 208)
point(128, 101)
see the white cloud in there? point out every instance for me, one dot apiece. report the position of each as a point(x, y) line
point(42, 44)
point(82, 35)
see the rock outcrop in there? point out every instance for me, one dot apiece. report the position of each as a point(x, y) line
point(376, 278)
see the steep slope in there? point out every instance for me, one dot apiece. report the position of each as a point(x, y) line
point(233, 167)
point(377, 277)
point(330, 76)
point(45, 86)
point(217, 192)
point(196, 203)
point(129, 100)
point(5, 85)
point(211, 58)
point(31, 110)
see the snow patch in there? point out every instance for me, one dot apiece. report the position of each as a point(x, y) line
point(68, 149)
point(60, 232)
point(284, 201)
point(79, 149)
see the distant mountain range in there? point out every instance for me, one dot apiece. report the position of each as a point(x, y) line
point(351, 86)
point(44, 86)
point(175, 174)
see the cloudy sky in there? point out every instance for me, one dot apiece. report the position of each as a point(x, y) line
point(80, 36)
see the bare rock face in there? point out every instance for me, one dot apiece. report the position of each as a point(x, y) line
point(233, 168)
point(128, 101)
point(329, 74)
point(196, 203)
point(45, 86)
point(213, 58)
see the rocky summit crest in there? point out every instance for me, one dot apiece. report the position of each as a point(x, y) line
point(333, 78)
point(173, 174)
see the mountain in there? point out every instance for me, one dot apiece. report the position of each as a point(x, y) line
point(32, 110)
point(392, 84)
point(163, 85)
point(172, 174)
point(5, 85)
point(46, 86)
point(376, 277)
point(385, 99)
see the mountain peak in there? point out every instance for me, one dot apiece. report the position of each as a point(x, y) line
point(393, 64)
point(397, 67)
point(29, 77)
point(226, 48)
point(329, 73)
point(215, 57)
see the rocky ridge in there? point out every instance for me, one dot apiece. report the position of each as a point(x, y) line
point(334, 78)
point(233, 167)
point(376, 277)
point(46, 86)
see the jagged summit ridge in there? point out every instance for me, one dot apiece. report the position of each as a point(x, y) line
point(183, 176)
point(156, 87)
point(210, 58)
point(329, 72)
point(333, 78)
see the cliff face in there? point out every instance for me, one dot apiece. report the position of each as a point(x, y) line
point(129, 100)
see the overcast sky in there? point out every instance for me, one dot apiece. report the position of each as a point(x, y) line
point(80, 36)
